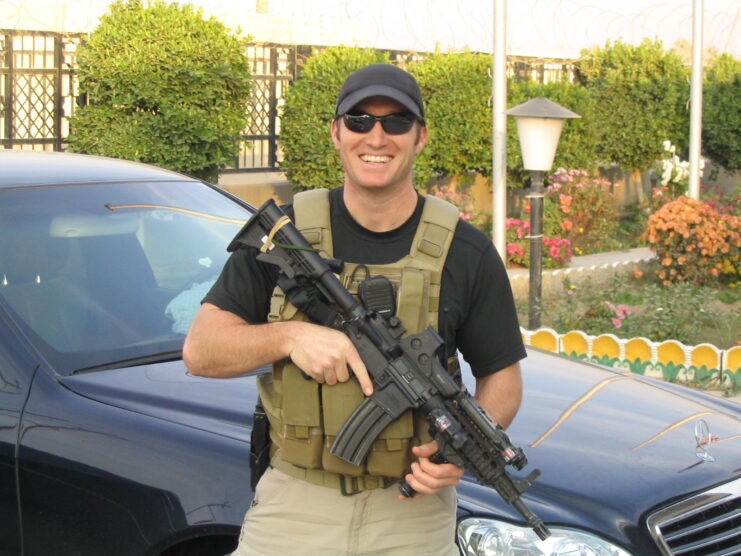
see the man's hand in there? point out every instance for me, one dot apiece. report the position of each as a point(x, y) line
point(328, 356)
point(427, 477)
point(222, 344)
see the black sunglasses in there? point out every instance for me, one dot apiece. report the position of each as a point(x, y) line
point(397, 123)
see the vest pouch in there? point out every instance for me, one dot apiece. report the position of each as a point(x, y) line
point(339, 401)
point(270, 387)
point(391, 453)
point(302, 424)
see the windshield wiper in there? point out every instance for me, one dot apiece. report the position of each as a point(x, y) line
point(163, 357)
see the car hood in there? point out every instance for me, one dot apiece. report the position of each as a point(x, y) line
point(167, 391)
point(611, 444)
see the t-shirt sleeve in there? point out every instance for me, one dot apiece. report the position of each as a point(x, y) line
point(244, 286)
point(489, 337)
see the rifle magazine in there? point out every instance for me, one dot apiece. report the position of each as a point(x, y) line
point(360, 431)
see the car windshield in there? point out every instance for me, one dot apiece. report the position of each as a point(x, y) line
point(109, 275)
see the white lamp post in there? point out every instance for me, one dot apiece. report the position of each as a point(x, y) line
point(539, 125)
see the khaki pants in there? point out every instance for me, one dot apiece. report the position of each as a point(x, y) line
point(291, 516)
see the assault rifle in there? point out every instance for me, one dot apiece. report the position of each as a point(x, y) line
point(406, 372)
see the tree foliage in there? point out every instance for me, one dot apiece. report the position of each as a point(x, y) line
point(166, 86)
point(721, 114)
point(310, 159)
point(640, 95)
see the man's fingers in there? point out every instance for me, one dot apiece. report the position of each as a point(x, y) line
point(330, 376)
point(426, 450)
point(361, 373)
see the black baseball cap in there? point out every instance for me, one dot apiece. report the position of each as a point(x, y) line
point(380, 80)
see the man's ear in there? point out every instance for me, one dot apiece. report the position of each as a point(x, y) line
point(421, 139)
point(334, 131)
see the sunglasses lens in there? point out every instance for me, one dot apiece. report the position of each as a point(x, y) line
point(393, 124)
point(397, 124)
point(359, 123)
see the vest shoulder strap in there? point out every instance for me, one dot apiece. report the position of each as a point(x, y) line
point(431, 241)
point(311, 210)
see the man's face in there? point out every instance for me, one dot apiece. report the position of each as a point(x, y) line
point(376, 159)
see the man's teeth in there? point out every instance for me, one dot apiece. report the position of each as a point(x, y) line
point(374, 158)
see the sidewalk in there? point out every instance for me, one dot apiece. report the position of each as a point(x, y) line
point(600, 266)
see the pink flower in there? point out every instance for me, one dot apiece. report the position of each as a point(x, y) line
point(624, 309)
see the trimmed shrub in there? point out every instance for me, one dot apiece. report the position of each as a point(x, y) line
point(166, 86)
point(310, 159)
point(457, 92)
point(456, 89)
point(721, 114)
point(694, 242)
point(640, 95)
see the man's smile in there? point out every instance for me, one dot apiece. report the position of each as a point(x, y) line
point(375, 158)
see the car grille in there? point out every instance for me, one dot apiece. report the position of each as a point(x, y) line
point(708, 523)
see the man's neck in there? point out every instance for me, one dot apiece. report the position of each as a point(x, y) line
point(380, 210)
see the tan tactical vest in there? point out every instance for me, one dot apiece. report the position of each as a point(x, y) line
point(304, 415)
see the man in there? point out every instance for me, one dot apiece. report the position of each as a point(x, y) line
point(310, 502)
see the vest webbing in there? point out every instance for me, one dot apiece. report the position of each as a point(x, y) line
point(302, 413)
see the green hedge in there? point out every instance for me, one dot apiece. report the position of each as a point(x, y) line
point(640, 96)
point(630, 99)
point(721, 113)
point(310, 159)
point(456, 89)
point(166, 86)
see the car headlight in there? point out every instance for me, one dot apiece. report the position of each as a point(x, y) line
point(489, 537)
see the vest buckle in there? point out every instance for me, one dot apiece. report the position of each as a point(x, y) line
point(353, 481)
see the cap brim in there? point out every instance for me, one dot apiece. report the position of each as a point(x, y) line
point(360, 95)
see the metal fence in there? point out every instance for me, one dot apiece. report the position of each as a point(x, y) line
point(37, 88)
point(273, 68)
point(39, 91)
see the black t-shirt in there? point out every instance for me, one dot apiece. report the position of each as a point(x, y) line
point(477, 312)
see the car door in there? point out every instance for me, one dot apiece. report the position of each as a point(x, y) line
point(16, 373)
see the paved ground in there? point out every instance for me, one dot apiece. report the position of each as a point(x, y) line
point(595, 267)
point(610, 259)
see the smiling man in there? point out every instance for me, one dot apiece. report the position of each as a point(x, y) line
point(445, 273)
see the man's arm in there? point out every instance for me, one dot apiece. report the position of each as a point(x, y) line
point(221, 344)
point(500, 394)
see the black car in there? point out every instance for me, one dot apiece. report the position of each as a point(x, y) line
point(108, 446)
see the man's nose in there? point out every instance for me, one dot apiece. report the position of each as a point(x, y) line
point(377, 135)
